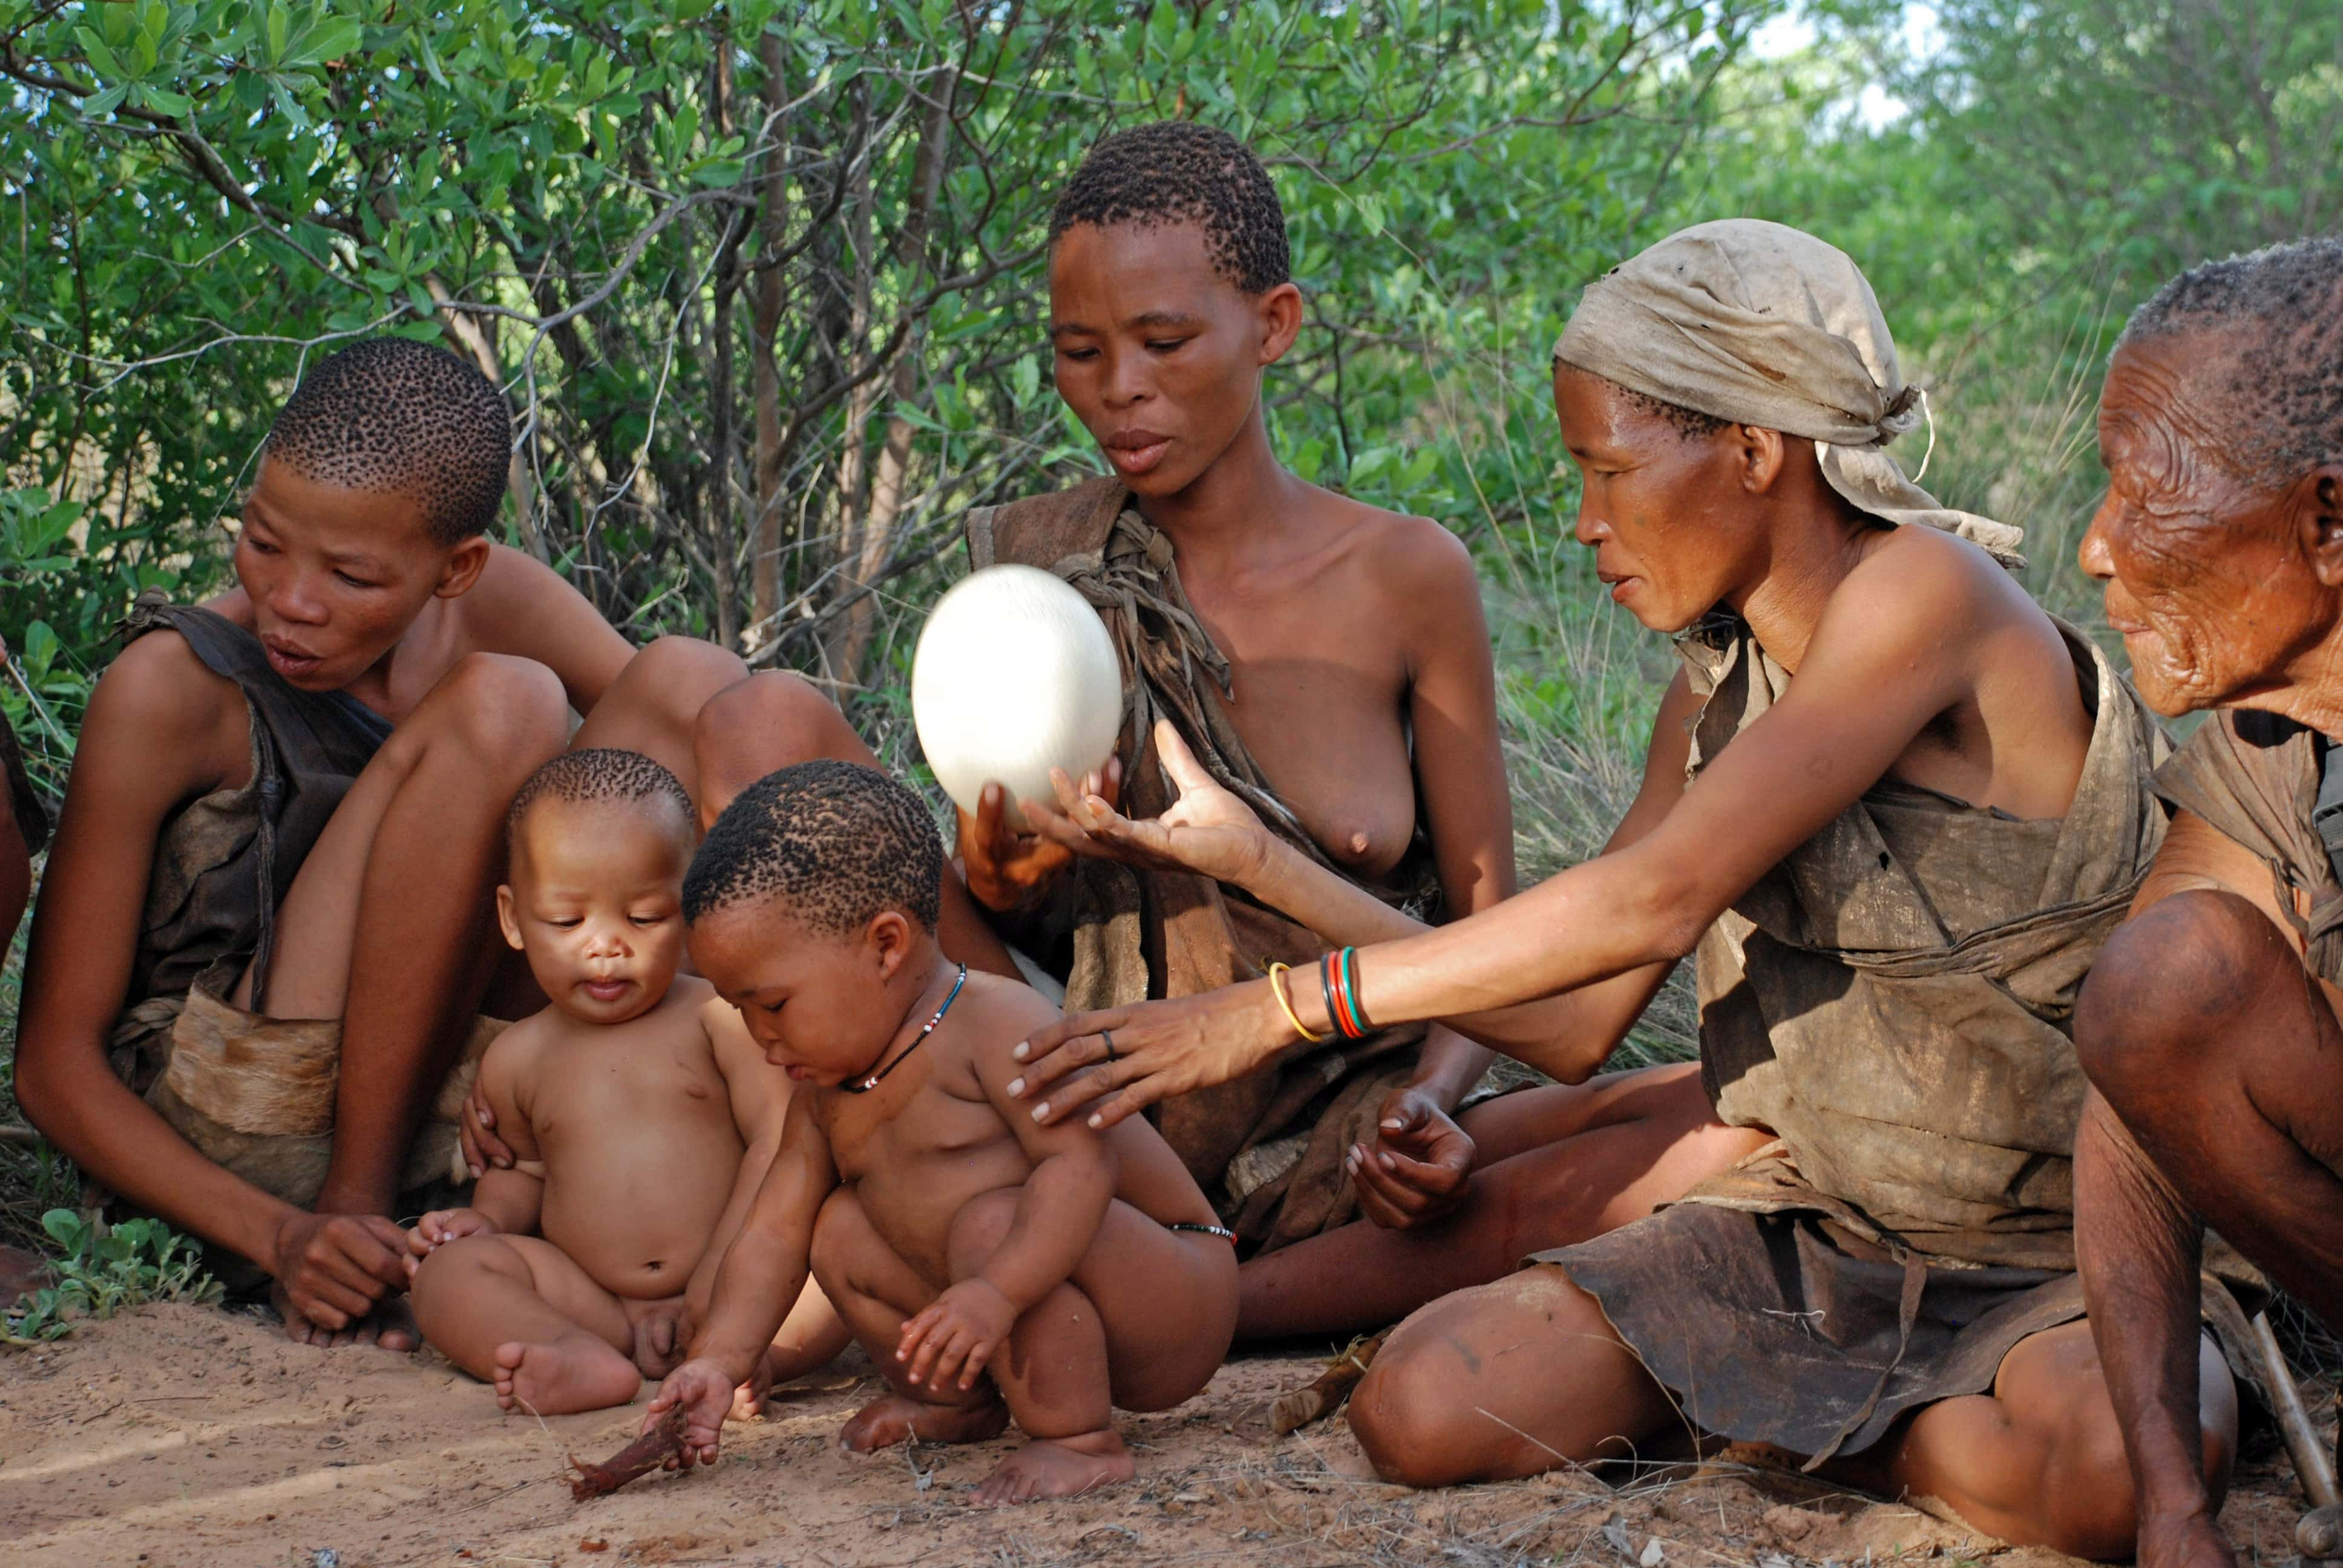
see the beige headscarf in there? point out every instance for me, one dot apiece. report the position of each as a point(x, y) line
point(1767, 325)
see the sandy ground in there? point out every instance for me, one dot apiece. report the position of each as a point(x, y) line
point(183, 1435)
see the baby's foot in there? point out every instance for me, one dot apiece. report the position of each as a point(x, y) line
point(576, 1371)
point(891, 1419)
point(1056, 1467)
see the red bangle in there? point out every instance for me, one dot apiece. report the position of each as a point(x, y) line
point(1331, 970)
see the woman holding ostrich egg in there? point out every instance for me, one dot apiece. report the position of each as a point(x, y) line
point(1325, 661)
point(1894, 808)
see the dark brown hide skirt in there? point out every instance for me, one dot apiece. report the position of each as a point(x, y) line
point(1766, 1328)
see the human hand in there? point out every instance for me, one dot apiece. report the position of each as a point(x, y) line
point(957, 1332)
point(331, 1269)
point(1207, 830)
point(1420, 1165)
point(661, 1333)
point(704, 1389)
point(1007, 867)
point(475, 1129)
point(1159, 1049)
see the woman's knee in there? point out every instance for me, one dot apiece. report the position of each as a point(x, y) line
point(691, 666)
point(510, 713)
point(784, 717)
point(1413, 1412)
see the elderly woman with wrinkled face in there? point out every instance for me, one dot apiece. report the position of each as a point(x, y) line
point(1892, 808)
point(2209, 1026)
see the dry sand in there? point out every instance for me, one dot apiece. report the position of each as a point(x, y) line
point(183, 1435)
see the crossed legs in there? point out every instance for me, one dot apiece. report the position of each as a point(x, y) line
point(1557, 1164)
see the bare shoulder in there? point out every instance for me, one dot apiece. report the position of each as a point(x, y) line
point(1406, 554)
point(179, 717)
point(509, 1070)
point(996, 1015)
point(1923, 590)
point(514, 577)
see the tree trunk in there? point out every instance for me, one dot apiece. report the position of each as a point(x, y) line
point(765, 325)
point(852, 639)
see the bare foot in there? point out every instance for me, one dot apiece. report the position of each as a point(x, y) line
point(1056, 1467)
point(891, 1419)
point(576, 1371)
point(392, 1327)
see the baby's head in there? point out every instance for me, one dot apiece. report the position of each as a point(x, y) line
point(597, 842)
point(812, 908)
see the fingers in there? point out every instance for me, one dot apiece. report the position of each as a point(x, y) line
point(921, 1341)
point(477, 1131)
point(1126, 1102)
point(1070, 1094)
point(992, 828)
point(1180, 763)
point(377, 1246)
point(1052, 1052)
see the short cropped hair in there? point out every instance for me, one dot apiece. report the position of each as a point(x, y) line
point(1177, 171)
point(2284, 384)
point(1690, 423)
point(400, 417)
point(601, 773)
point(836, 842)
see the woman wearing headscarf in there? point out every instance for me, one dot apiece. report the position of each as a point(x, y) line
point(1893, 807)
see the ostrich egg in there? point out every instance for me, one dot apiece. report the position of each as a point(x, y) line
point(1014, 675)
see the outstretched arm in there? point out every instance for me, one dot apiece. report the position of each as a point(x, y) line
point(1899, 645)
point(760, 1107)
point(763, 1273)
point(1208, 829)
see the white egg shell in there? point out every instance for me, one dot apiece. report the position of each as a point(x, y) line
point(1015, 675)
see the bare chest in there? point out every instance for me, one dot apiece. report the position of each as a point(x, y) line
point(585, 1096)
point(1320, 700)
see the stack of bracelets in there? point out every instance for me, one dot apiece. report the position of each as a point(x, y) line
point(1338, 981)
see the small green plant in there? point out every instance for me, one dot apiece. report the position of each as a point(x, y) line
point(103, 1268)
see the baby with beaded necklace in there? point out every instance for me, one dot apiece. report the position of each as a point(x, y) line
point(993, 1268)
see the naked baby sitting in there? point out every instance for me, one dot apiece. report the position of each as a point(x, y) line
point(629, 1104)
point(992, 1267)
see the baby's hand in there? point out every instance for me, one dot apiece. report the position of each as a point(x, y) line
point(958, 1333)
point(441, 1226)
point(704, 1390)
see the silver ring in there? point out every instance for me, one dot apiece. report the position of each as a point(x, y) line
point(1107, 1035)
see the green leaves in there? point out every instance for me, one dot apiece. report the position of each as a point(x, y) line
point(100, 1269)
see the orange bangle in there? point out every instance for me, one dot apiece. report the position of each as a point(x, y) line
point(1277, 989)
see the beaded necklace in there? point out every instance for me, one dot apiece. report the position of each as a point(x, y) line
point(869, 1081)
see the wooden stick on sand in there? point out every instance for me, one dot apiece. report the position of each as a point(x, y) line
point(640, 1457)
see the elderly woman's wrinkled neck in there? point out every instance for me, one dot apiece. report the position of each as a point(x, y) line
point(1688, 514)
point(2226, 587)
